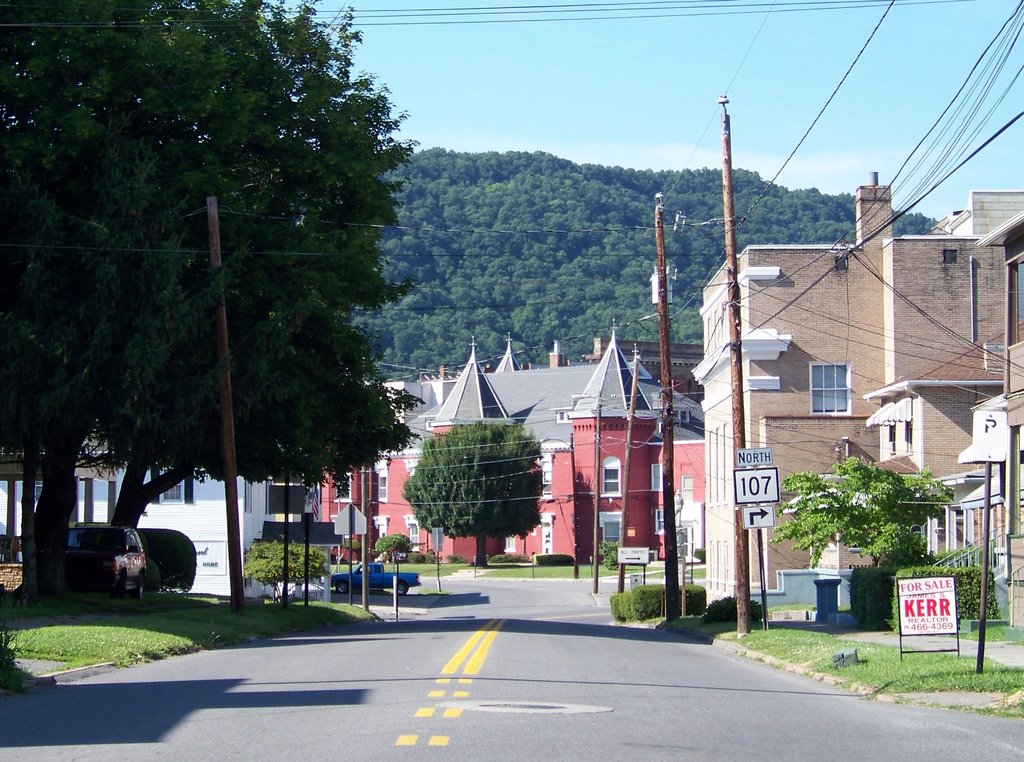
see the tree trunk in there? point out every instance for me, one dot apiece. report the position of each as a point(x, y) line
point(136, 493)
point(481, 551)
point(57, 503)
point(29, 576)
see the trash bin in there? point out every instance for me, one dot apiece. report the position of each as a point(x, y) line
point(827, 593)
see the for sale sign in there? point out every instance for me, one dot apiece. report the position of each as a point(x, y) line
point(928, 606)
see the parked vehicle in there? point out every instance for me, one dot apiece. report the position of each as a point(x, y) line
point(103, 557)
point(378, 577)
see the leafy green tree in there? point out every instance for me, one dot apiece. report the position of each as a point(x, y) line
point(264, 562)
point(862, 505)
point(390, 544)
point(118, 122)
point(479, 480)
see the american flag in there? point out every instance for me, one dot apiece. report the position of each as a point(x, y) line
point(313, 502)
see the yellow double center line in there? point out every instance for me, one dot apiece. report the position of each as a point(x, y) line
point(474, 651)
point(470, 658)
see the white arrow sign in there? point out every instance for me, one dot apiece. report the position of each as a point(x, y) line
point(758, 516)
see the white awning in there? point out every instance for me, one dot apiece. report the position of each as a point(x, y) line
point(893, 413)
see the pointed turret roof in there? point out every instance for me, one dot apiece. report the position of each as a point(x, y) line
point(611, 383)
point(472, 398)
point(508, 363)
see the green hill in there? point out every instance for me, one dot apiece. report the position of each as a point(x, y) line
point(547, 250)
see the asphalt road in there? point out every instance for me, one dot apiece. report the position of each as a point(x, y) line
point(526, 670)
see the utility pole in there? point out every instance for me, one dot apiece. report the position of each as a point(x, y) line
point(739, 429)
point(364, 501)
point(227, 438)
point(597, 489)
point(623, 532)
point(673, 600)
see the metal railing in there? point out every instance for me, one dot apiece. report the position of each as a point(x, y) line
point(970, 555)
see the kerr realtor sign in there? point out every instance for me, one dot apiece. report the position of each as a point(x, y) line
point(928, 606)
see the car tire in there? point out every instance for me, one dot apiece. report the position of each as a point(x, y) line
point(402, 587)
point(341, 587)
point(121, 588)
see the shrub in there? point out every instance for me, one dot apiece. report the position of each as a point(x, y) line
point(10, 678)
point(968, 590)
point(153, 580)
point(389, 544)
point(871, 594)
point(700, 554)
point(508, 558)
point(175, 556)
point(622, 607)
point(608, 552)
point(696, 600)
point(419, 557)
point(456, 559)
point(648, 602)
point(724, 610)
point(554, 559)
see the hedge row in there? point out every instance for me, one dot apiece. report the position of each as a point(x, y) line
point(554, 559)
point(645, 602)
point(873, 600)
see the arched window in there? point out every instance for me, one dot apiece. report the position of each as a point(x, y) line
point(611, 472)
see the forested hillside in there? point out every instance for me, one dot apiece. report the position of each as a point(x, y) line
point(547, 250)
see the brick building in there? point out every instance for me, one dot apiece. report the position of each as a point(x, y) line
point(848, 350)
point(559, 405)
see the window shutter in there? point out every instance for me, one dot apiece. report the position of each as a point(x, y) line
point(190, 496)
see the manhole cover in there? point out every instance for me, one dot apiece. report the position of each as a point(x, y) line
point(524, 707)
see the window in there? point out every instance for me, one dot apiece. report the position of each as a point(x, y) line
point(892, 438)
point(510, 544)
point(610, 529)
point(382, 486)
point(546, 465)
point(610, 472)
point(830, 388)
point(175, 494)
point(686, 489)
point(659, 521)
point(949, 256)
point(908, 435)
point(414, 531)
point(656, 477)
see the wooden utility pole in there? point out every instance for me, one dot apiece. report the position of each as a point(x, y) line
point(597, 490)
point(227, 438)
point(364, 500)
point(624, 531)
point(739, 429)
point(673, 600)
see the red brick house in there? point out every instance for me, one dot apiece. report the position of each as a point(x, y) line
point(560, 405)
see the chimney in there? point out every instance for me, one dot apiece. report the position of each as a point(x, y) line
point(555, 359)
point(873, 209)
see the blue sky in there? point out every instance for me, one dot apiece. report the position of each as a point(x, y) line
point(642, 92)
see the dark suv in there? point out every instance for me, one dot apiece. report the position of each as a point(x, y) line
point(101, 557)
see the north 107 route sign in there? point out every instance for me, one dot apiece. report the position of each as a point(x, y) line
point(756, 485)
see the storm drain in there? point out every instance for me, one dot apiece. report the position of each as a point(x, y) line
point(524, 707)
